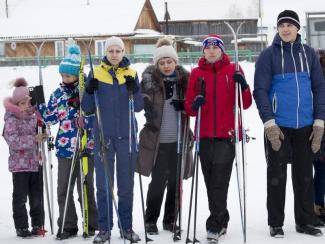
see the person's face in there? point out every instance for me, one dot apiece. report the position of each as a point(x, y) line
point(212, 53)
point(114, 55)
point(288, 32)
point(24, 104)
point(167, 66)
point(68, 79)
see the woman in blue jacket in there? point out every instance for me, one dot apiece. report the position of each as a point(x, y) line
point(289, 91)
point(114, 81)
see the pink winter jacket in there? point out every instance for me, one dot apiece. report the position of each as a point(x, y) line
point(19, 133)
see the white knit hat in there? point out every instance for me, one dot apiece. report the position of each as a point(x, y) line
point(164, 50)
point(114, 41)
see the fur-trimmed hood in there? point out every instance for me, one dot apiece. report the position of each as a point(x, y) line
point(15, 110)
point(153, 78)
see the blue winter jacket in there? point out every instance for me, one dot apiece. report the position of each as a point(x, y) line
point(59, 110)
point(289, 85)
point(113, 99)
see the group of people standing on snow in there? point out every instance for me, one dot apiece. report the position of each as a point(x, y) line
point(289, 91)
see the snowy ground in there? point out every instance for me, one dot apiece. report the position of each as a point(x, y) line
point(257, 230)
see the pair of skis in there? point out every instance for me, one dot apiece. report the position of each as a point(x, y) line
point(46, 175)
point(80, 155)
point(240, 149)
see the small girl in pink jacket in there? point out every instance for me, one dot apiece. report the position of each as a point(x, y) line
point(21, 137)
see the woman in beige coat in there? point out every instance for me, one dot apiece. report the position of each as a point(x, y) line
point(163, 86)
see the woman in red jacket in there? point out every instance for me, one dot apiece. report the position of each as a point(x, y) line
point(217, 149)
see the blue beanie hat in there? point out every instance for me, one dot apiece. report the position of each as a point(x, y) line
point(71, 63)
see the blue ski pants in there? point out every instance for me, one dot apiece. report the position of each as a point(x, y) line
point(117, 150)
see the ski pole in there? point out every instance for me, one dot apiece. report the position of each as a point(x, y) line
point(196, 162)
point(132, 121)
point(73, 163)
point(179, 179)
point(103, 148)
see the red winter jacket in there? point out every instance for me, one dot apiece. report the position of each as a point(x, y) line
point(217, 114)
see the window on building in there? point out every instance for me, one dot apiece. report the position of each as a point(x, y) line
point(59, 49)
point(100, 48)
point(2, 49)
point(143, 48)
point(320, 26)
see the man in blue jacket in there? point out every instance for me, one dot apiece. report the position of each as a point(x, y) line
point(115, 83)
point(289, 90)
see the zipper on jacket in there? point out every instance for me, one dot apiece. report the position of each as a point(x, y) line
point(214, 101)
point(274, 103)
point(227, 79)
point(297, 84)
point(301, 63)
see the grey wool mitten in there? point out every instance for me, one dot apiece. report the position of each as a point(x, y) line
point(317, 135)
point(273, 134)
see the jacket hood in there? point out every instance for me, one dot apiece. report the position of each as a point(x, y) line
point(152, 76)
point(13, 109)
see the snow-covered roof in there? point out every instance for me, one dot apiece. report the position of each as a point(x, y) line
point(70, 17)
point(55, 18)
point(206, 9)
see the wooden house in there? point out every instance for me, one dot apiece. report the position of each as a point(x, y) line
point(53, 22)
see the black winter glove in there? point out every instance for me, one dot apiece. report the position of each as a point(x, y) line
point(37, 95)
point(92, 86)
point(150, 112)
point(178, 104)
point(240, 79)
point(198, 102)
point(131, 84)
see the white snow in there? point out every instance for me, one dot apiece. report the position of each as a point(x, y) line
point(61, 17)
point(257, 229)
point(48, 17)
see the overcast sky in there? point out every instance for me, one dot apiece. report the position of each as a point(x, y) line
point(270, 8)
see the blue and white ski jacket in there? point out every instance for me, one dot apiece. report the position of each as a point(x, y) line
point(63, 108)
point(113, 99)
point(289, 85)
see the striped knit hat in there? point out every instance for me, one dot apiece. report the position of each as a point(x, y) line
point(288, 16)
point(71, 63)
point(214, 40)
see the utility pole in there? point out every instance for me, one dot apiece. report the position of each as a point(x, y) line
point(261, 26)
point(7, 10)
point(167, 17)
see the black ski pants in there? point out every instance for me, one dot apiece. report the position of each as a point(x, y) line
point(163, 174)
point(296, 148)
point(217, 156)
point(27, 184)
point(71, 220)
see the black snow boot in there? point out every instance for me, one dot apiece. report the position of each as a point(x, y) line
point(23, 232)
point(309, 230)
point(276, 231)
point(152, 228)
